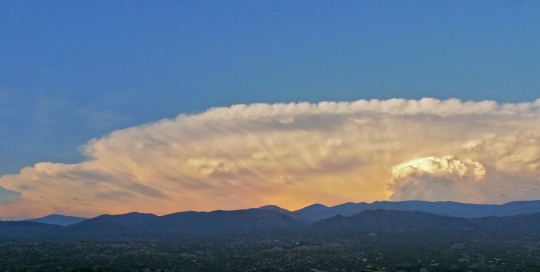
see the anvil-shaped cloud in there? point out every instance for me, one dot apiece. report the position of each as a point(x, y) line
point(296, 154)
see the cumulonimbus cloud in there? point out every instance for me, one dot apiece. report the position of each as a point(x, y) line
point(438, 179)
point(292, 155)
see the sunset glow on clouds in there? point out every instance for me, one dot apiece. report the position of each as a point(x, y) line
point(294, 155)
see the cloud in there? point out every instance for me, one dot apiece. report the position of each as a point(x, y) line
point(438, 179)
point(8, 196)
point(293, 155)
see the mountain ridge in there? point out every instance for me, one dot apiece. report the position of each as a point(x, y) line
point(316, 212)
point(57, 219)
point(139, 226)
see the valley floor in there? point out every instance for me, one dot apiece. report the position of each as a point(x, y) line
point(406, 250)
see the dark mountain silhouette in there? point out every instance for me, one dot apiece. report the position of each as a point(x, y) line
point(110, 226)
point(58, 219)
point(448, 208)
point(518, 207)
point(225, 221)
point(313, 213)
point(274, 219)
point(275, 208)
point(515, 225)
point(375, 220)
point(306, 215)
point(20, 230)
point(317, 212)
point(443, 208)
point(148, 225)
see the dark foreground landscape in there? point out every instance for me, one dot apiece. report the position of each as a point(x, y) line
point(316, 238)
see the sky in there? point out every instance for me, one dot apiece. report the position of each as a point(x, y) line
point(115, 106)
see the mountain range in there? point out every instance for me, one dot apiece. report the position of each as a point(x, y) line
point(514, 217)
point(318, 212)
point(57, 219)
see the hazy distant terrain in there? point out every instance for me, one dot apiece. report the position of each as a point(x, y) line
point(317, 211)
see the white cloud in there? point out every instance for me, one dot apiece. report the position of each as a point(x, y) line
point(292, 155)
point(438, 179)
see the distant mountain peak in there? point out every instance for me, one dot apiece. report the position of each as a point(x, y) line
point(58, 219)
point(274, 208)
point(316, 206)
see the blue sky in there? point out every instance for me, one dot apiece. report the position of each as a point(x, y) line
point(71, 71)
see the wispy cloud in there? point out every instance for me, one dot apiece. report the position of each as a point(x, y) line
point(296, 154)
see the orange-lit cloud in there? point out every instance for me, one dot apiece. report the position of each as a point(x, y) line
point(293, 155)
